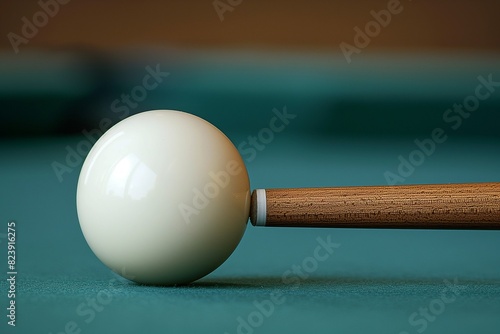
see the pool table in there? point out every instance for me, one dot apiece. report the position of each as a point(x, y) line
point(278, 280)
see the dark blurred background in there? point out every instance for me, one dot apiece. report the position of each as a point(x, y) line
point(234, 64)
point(303, 25)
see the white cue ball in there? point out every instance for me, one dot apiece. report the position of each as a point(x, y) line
point(163, 198)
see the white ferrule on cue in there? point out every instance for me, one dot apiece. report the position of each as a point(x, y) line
point(259, 205)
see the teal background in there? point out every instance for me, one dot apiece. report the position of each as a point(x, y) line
point(352, 124)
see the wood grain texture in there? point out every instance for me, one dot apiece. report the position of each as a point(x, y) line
point(445, 206)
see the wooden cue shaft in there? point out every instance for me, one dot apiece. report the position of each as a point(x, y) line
point(443, 206)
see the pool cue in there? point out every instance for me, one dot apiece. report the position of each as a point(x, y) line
point(473, 206)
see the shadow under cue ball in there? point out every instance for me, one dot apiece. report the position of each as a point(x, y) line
point(163, 198)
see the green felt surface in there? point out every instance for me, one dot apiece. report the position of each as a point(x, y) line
point(372, 283)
